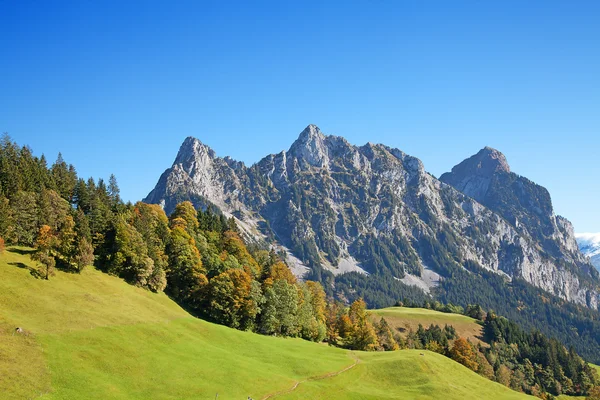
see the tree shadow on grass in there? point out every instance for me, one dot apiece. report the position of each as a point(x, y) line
point(22, 252)
point(34, 272)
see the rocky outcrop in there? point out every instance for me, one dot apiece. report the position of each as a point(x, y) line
point(486, 177)
point(336, 207)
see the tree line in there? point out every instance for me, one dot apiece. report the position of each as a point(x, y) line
point(524, 360)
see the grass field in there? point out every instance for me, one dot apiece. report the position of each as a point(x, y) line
point(402, 318)
point(92, 336)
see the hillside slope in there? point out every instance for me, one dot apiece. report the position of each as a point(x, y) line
point(93, 336)
point(403, 318)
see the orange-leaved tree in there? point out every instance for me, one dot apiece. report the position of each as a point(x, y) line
point(462, 352)
point(363, 335)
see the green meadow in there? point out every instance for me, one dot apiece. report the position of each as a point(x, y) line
point(401, 319)
point(92, 336)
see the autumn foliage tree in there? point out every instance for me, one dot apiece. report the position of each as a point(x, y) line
point(594, 393)
point(45, 245)
point(462, 352)
point(235, 299)
point(186, 278)
point(362, 336)
point(128, 254)
point(386, 339)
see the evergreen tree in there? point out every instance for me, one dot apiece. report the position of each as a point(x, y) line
point(64, 177)
point(6, 223)
point(114, 191)
point(25, 217)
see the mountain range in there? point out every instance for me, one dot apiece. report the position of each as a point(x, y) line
point(589, 243)
point(375, 214)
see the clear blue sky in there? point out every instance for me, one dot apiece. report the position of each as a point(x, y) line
point(117, 86)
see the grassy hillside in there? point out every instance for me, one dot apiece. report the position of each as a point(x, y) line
point(402, 318)
point(93, 336)
point(404, 374)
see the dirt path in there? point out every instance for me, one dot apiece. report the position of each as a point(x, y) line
point(313, 378)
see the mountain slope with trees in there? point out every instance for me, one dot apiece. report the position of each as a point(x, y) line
point(131, 343)
point(368, 222)
point(338, 208)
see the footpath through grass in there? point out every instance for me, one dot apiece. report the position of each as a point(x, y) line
point(405, 374)
point(92, 336)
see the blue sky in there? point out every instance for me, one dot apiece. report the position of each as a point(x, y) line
point(117, 86)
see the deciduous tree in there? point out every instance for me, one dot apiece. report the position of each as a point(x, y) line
point(186, 276)
point(45, 245)
point(462, 352)
point(280, 308)
point(235, 299)
point(363, 336)
point(385, 336)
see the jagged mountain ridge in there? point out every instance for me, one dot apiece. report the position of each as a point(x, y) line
point(486, 177)
point(338, 207)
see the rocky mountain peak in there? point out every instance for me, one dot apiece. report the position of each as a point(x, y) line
point(474, 175)
point(311, 132)
point(487, 162)
point(192, 150)
point(311, 146)
point(493, 159)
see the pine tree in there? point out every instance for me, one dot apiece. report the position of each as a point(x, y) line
point(25, 217)
point(114, 191)
point(64, 177)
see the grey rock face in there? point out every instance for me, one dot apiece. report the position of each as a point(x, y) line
point(486, 177)
point(373, 209)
